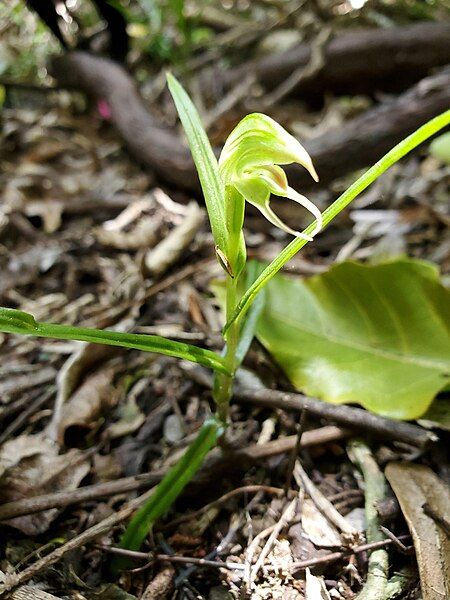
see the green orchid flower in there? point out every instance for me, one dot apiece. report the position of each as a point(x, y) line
point(250, 163)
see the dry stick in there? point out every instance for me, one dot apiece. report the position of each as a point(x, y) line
point(285, 518)
point(334, 556)
point(351, 534)
point(294, 567)
point(183, 560)
point(302, 73)
point(349, 416)
point(295, 451)
point(315, 437)
point(375, 492)
point(14, 580)
point(251, 551)
point(29, 506)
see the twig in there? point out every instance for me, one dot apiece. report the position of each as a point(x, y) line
point(352, 535)
point(349, 416)
point(14, 580)
point(246, 489)
point(398, 543)
point(303, 73)
point(333, 556)
point(285, 518)
point(251, 549)
point(377, 576)
point(295, 451)
point(294, 568)
point(315, 437)
point(29, 506)
point(183, 560)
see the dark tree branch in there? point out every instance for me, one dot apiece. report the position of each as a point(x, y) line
point(358, 143)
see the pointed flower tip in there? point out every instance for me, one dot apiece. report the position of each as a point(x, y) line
point(250, 161)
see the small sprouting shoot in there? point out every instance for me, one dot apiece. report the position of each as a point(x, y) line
point(250, 162)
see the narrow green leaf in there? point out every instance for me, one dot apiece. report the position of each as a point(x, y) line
point(375, 335)
point(17, 321)
point(394, 155)
point(248, 330)
point(204, 159)
point(170, 487)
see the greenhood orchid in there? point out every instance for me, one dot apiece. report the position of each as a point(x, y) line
point(250, 163)
point(249, 169)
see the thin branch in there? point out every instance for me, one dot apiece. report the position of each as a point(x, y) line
point(348, 416)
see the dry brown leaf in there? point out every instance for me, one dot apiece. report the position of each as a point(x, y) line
point(414, 485)
point(317, 527)
point(96, 394)
point(69, 376)
point(38, 471)
point(15, 450)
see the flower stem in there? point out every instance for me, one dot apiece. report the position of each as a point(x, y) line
point(223, 383)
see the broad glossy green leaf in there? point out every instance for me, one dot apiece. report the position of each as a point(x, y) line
point(373, 335)
point(17, 321)
point(204, 159)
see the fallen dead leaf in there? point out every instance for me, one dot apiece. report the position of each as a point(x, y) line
point(416, 485)
point(80, 413)
point(317, 527)
point(32, 467)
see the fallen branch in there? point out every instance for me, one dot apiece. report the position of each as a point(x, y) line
point(357, 61)
point(348, 416)
point(361, 141)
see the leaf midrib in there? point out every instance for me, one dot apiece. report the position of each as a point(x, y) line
point(410, 359)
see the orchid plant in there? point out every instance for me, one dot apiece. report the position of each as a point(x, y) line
point(249, 169)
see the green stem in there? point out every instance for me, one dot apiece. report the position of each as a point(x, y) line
point(394, 155)
point(223, 383)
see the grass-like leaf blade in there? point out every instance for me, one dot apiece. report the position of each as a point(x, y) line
point(170, 488)
point(389, 159)
point(204, 159)
point(17, 321)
